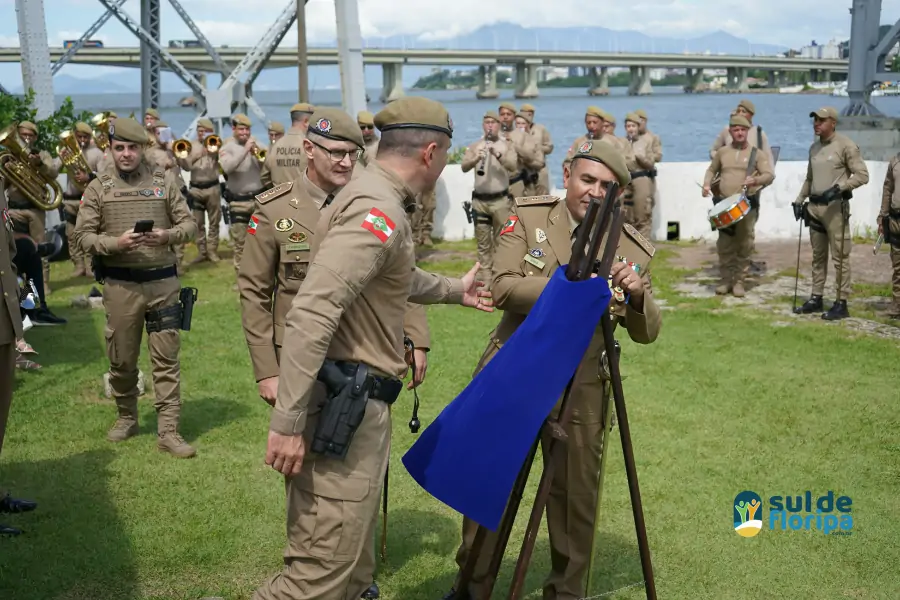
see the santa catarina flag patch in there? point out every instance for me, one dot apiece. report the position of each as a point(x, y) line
point(252, 225)
point(379, 224)
point(510, 225)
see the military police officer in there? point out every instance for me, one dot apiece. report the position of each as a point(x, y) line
point(835, 169)
point(729, 166)
point(889, 226)
point(286, 159)
point(72, 195)
point(203, 166)
point(366, 122)
point(530, 250)
point(349, 314)
point(276, 132)
point(641, 213)
point(593, 123)
point(528, 152)
point(545, 142)
point(141, 288)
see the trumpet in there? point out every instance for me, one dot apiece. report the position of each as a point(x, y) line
point(212, 143)
point(101, 124)
point(260, 154)
point(181, 148)
point(72, 157)
point(15, 167)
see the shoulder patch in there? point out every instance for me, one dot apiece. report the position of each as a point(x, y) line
point(641, 241)
point(510, 225)
point(107, 182)
point(279, 190)
point(536, 200)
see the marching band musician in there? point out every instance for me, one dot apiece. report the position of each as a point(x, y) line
point(641, 213)
point(286, 159)
point(593, 123)
point(542, 139)
point(205, 192)
point(529, 153)
point(72, 195)
point(159, 153)
point(730, 166)
point(496, 161)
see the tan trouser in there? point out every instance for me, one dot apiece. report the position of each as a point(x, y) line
point(543, 184)
point(36, 222)
point(7, 381)
point(423, 218)
point(126, 304)
point(571, 511)
point(895, 262)
point(734, 246)
point(76, 253)
point(489, 217)
point(641, 214)
point(332, 506)
point(207, 202)
point(836, 229)
point(238, 231)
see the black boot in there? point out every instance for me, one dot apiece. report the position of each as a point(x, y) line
point(372, 593)
point(837, 311)
point(452, 594)
point(42, 317)
point(10, 531)
point(814, 304)
point(9, 504)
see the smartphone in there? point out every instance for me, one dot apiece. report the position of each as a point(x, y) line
point(143, 226)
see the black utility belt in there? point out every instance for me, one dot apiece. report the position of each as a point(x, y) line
point(231, 197)
point(76, 197)
point(139, 275)
point(489, 197)
point(204, 185)
point(22, 205)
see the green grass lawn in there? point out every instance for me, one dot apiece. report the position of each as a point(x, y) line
point(722, 402)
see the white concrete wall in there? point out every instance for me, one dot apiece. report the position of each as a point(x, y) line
point(679, 200)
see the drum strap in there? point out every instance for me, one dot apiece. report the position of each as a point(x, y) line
point(729, 231)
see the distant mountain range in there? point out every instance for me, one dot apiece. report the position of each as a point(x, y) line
point(499, 36)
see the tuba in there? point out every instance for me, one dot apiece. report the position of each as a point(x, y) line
point(101, 124)
point(181, 148)
point(74, 159)
point(212, 143)
point(15, 167)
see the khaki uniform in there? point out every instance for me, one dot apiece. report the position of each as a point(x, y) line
point(542, 138)
point(243, 172)
point(29, 219)
point(890, 207)
point(423, 218)
point(656, 149)
point(370, 153)
point(835, 161)
point(72, 202)
point(523, 266)
point(137, 282)
point(351, 307)
point(10, 314)
point(735, 242)
point(641, 213)
point(491, 197)
point(157, 155)
point(757, 138)
point(285, 160)
point(206, 196)
point(530, 162)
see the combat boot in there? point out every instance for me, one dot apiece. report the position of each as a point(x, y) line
point(213, 257)
point(80, 270)
point(124, 428)
point(373, 593)
point(723, 288)
point(837, 311)
point(169, 440)
point(738, 290)
point(814, 304)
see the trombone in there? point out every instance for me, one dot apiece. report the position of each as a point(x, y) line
point(181, 148)
point(69, 152)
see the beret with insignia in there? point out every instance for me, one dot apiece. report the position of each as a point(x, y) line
point(335, 124)
point(739, 120)
point(594, 111)
point(82, 127)
point(525, 116)
point(128, 130)
point(508, 106)
point(491, 114)
point(205, 123)
point(415, 112)
point(241, 119)
point(29, 126)
point(609, 118)
point(605, 154)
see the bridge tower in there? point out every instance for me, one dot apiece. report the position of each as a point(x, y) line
point(235, 91)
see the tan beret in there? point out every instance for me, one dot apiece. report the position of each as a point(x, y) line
point(113, 115)
point(641, 113)
point(152, 112)
point(335, 124)
point(29, 126)
point(826, 112)
point(82, 127)
point(525, 116)
point(527, 108)
point(609, 118)
point(748, 105)
point(507, 106)
point(364, 117)
point(739, 120)
point(276, 127)
point(633, 117)
point(241, 119)
point(593, 111)
point(161, 123)
point(415, 112)
point(128, 130)
point(491, 114)
point(303, 107)
point(606, 154)
point(206, 123)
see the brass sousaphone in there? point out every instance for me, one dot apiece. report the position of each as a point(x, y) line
point(100, 123)
point(73, 159)
point(15, 167)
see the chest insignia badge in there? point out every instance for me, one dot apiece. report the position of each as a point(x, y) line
point(296, 237)
point(284, 225)
point(146, 193)
point(158, 192)
point(536, 252)
point(540, 235)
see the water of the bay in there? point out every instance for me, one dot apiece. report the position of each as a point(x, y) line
point(686, 123)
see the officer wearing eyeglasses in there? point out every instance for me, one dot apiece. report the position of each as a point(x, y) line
point(366, 122)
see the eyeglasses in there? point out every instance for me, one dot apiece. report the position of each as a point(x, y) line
point(338, 155)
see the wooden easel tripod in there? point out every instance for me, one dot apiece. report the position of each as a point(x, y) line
point(602, 216)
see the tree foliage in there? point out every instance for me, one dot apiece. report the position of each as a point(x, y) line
point(15, 109)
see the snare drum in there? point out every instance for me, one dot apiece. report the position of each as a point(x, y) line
point(729, 211)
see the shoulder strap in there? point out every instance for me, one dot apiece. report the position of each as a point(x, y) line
point(279, 190)
point(641, 241)
point(536, 200)
point(159, 178)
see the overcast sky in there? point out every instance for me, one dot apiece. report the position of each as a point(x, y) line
point(787, 22)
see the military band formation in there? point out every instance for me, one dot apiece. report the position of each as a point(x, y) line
point(324, 224)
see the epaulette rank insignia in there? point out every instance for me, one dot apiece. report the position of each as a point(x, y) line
point(279, 190)
point(643, 242)
point(536, 200)
point(107, 182)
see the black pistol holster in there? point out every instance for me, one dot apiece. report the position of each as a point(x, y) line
point(176, 316)
point(349, 387)
point(467, 207)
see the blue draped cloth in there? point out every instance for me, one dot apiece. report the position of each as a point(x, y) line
point(470, 456)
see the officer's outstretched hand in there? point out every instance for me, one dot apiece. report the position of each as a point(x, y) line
point(284, 453)
point(474, 297)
